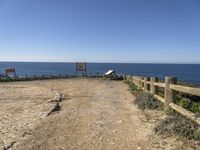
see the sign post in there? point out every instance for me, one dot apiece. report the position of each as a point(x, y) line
point(82, 67)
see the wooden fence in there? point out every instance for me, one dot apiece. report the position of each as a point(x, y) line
point(170, 90)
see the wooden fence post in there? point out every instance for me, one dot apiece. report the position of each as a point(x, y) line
point(148, 85)
point(132, 79)
point(145, 84)
point(170, 94)
point(153, 88)
point(125, 77)
point(135, 80)
point(140, 82)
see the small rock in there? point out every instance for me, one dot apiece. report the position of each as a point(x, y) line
point(62, 97)
point(120, 121)
point(114, 131)
point(138, 148)
point(9, 146)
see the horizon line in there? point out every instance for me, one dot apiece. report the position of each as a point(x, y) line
point(197, 63)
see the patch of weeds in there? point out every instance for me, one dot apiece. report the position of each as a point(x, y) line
point(188, 104)
point(143, 100)
point(133, 88)
point(169, 111)
point(176, 124)
point(146, 101)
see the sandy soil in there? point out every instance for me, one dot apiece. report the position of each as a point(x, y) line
point(95, 114)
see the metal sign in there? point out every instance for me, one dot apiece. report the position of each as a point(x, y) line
point(10, 71)
point(81, 66)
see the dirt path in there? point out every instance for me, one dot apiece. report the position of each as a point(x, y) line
point(95, 115)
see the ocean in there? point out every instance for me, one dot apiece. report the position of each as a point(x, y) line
point(189, 73)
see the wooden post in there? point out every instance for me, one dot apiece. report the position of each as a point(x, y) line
point(132, 79)
point(153, 88)
point(138, 81)
point(141, 84)
point(145, 84)
point(148, 85)
point(170, 94)
point(66, 75)
point(125, 77)
point(34, 76)
point(135, 80)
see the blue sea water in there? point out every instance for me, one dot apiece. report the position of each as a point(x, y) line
point(189, 73)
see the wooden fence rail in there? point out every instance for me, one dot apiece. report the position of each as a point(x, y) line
point(170, 89)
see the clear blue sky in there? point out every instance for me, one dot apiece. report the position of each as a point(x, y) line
point(100, 30)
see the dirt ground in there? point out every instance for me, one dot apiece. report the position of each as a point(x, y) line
point(95, 114)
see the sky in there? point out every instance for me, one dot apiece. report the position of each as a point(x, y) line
point(125, 31)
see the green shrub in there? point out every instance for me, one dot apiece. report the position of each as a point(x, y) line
point(146, 101)
point(177, 124)
point(189, 104)
point(133, 88)
point(197, 133)
point(195, 107)
point(185, 103)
